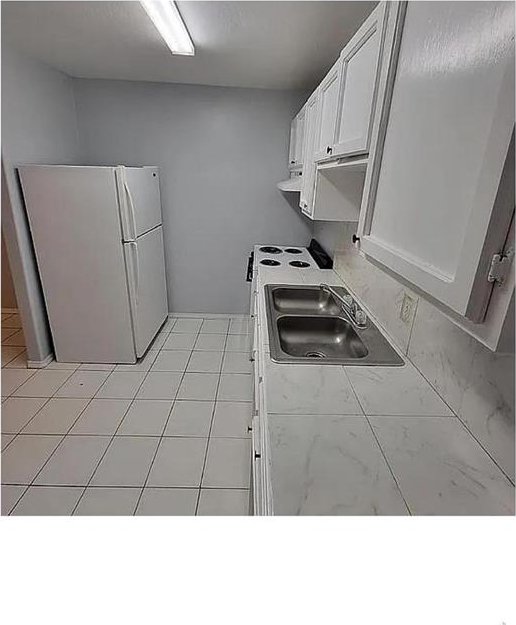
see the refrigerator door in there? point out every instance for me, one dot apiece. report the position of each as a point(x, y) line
point(140, 202)
point(75, 227)
point(147, 286)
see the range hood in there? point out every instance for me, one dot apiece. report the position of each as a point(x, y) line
point(292, 185)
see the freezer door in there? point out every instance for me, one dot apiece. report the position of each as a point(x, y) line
point(147, 286)
point(75, 227)
point(140, 202)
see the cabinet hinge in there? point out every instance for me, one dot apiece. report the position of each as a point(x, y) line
point(499, 268)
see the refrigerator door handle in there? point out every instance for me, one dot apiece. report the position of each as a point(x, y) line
point(130, 206)
point(134, 246)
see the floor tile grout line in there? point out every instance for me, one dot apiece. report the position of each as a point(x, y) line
point(48, 400)
point(131, 402)
point(160, 438)
point(177, 487)
point(16, 331)
point(91, 399)
point(108, 434)
point(20, 385)
point(60, 442)
point(113, 435)
point(29, 421)
point(237, 401)
point(211, 426)
point(4, 366)
point(165, 426)
point(9, 332)
point(125, 486)
point(110, 373)
point(377, 442)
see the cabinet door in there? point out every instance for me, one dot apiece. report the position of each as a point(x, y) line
point(292, 145)
point(327, 115)
point(439, 199)
point(360, 66)
point(300, 130)
point(308, 180)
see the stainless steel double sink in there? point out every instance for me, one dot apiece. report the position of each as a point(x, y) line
point(307, 324)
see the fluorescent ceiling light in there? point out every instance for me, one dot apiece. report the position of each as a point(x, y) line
point(170, 25)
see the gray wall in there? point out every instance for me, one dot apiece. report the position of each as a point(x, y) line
point(328, 233)
point(38, 126)
point(221, 152)
point(8, 295)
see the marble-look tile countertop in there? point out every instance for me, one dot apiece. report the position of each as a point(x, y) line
point(368, 440)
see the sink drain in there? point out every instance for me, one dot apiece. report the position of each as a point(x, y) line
point(315, 355)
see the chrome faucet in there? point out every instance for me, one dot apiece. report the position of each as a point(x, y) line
point(349, 306)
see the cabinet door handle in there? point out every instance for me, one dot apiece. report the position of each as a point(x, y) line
point(329, 150)
point(249, 276)
point(292, 162)
point(355, 239)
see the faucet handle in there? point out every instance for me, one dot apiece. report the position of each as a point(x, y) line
point(360, 317)
point(348, 300)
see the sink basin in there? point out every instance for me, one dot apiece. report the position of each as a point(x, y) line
point(304, 300)
point(319, 337)
point(306, 325)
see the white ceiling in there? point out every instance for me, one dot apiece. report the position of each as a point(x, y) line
point(275, 45)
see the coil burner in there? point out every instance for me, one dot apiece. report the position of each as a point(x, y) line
point(268, 249)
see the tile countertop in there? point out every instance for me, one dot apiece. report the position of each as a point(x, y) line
point(373, 440)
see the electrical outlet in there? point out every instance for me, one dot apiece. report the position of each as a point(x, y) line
point(408, 307)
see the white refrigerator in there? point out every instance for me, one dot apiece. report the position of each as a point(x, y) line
point(98, 241)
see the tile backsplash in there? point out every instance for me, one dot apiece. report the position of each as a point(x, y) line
point(475, 382)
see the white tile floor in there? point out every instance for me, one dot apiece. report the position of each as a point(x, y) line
point(167, 436)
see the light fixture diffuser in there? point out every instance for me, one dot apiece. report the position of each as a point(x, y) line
point(169, 23)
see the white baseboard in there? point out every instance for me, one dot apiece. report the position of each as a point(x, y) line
point(40, 364)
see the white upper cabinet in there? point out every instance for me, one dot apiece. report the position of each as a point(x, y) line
point(360, 63)
point(327, 118)
point(337, 123)
point(295, 154)
point(292, 145)
point(439, 190)
point(308, 179)
point(300, 131)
